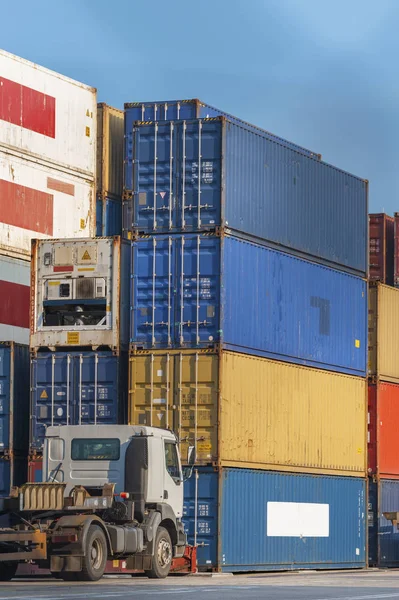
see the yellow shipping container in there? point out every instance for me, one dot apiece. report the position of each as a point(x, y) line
point(384, 332)
point(110, 140)
point(247, 411)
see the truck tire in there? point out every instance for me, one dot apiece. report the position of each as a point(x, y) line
point(163, 552)
point(8, 570)
point(95, 557)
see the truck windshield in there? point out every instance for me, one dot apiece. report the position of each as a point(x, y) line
point(95, 449)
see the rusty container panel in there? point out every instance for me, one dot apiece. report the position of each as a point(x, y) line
point(303, 420)
point(110, 140)
point(384, 332)
point(381, 248)
point(383, 429)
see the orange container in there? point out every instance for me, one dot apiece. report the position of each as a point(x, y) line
point(383, 441)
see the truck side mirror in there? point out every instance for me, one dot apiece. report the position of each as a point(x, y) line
point(191, 456)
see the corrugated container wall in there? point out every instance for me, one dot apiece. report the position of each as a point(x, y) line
point(383, 434)
point(15, 298)
point(13, 472)
point(14, 398)
point(302, 419)
point(384, 332)
point(47, 116)
point(381, 248)
point(110, 139)
point(108, 217)
point(383, 536)
point(203, 174)
point(176, 110)
point(396, 250)
point(197, 290)
point(41, 202)
point(274, 521)
point(73, 388)
point(80, 293)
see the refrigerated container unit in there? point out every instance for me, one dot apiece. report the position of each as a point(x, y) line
point(383, 496)
point(381, 248)
point(214, 173)
point(47, 117)
point(383, 332)
point(246, 411)
point(15, 299)
point(14, 399)
point(198, 290)
point(249, 520)
point(80, 294)
point(110, 141)
point(74, 388)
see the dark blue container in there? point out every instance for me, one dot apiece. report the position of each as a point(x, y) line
point(204, 174)
point(13, 472)
point(72, 388)
point(108, 217)
point(383, 536)
point(198, 290)
point(180, 110)
point(276, 521)
point(14, 398)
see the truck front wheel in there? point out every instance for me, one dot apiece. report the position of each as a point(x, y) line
point(162, 559)
point(95, 557)
point(8, 570)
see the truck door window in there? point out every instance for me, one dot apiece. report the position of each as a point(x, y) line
point(172, 460)
point(95, 449)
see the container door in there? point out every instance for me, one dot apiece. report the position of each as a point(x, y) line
point(200, 513)
point(198, 291)
point(152, 292)
point(95, 389)
point(199, 172)
point(52, 394)
point(196, 388)
point(150, 390)
point(154, 177)
point(5, 397)
point(388, 534)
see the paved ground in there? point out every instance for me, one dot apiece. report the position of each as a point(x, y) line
point(370, 585)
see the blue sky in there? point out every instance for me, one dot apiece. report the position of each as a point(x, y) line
point(322, 74)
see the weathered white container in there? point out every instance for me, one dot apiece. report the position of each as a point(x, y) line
point(48, 116)
point(37, 201)
point(80, 294)
point(15, 298)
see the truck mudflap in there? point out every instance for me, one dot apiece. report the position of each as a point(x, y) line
point(184, 565)
point(23, 545)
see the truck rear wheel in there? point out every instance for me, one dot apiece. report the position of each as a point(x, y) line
point(95, 557)
point(8, 570)
point(163, 552)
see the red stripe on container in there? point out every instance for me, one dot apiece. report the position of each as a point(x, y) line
point(26, 107)
point(62, 269)
point(60, 186)
point(26, 208)
point(14, 305)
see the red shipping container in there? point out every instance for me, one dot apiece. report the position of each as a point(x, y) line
point(383, 439)
point(381, 248)
point(35, 468)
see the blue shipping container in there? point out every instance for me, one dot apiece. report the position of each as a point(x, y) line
point(383, 536)
point(14, 398)
point(199, 175)
point(13, 472)
point(108, 217)
point(72, 388)
point(180, 110)
point(198, 290)
point(276, 521)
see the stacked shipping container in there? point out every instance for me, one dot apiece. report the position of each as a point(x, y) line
point(248, 332)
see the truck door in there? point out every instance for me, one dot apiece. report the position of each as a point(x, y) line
point(173, 480)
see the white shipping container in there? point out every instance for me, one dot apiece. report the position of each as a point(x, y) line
point(15, 299)
point(80, 293)
point(47, 115)
point(37, 201)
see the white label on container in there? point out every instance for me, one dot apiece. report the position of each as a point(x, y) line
point(159, 401)
point(297, 519)
point(60, 412)
point(357, 551)
point(61, 393)
point(159, 373)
